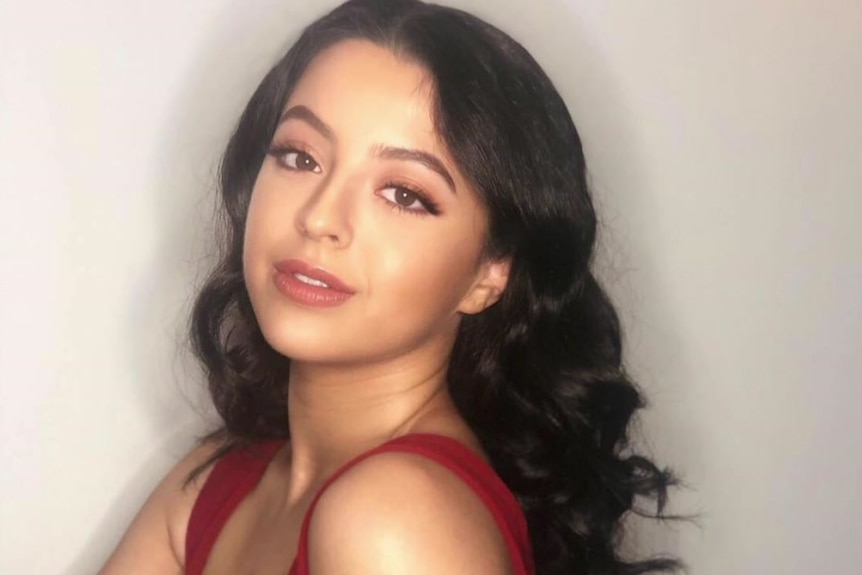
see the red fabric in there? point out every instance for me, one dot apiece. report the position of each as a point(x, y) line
point(230, 480)
point(237, 473)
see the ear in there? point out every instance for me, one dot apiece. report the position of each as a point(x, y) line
point(490, 282)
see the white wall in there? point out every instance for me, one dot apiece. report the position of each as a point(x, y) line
point(725, 146)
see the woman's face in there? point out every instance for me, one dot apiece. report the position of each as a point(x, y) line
point(358, 184)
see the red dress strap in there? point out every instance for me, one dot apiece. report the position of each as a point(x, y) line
point(474, 471)
point(239, 471)
point(230, 480)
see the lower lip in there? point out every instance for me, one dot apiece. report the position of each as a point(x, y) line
point(306, 294)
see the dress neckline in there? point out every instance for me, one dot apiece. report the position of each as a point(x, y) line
point(248, 463)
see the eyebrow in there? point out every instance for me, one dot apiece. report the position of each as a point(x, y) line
point(428, 160)
point(305, 114)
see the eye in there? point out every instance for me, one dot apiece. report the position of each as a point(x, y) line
point(294, 159)
point(407, 199)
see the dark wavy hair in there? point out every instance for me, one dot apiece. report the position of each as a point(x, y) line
point(539, 375)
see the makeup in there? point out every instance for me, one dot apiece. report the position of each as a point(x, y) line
point(310, 285)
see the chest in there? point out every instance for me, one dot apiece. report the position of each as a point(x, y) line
point(261, 537)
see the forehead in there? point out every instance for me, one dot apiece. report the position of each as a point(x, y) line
point(366, 91)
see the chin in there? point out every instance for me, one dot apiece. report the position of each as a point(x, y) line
point(306, 344)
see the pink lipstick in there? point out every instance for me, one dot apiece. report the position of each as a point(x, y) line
point(310, 285)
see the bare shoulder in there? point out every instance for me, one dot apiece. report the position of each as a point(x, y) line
point(155, 541)
point(402, 513)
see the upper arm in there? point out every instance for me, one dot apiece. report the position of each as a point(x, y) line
point(154, 542)
point(398, 513)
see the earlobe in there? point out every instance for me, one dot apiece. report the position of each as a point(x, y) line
point(488, 288)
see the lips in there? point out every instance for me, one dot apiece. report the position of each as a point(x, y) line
point(310, 286)
point(295, 266)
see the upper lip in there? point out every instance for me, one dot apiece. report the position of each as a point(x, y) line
point(292, 266)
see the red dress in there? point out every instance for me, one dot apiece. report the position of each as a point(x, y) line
point(237, 473)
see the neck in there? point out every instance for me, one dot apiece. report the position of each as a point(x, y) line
point(337, 412)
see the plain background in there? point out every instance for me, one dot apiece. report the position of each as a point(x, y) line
point(724, 141)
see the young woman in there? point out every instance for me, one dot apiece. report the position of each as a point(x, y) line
point(416, 369)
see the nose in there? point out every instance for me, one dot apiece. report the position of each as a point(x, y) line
point(324, 216)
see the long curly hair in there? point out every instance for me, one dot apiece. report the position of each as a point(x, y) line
point(539, 375)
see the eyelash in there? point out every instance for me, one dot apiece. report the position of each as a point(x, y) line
point(279, 151)
point(431, 207)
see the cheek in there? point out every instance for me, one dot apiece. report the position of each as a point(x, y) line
point(254, 236)
point(424, 274)
point(266, 225)
point(270, 217)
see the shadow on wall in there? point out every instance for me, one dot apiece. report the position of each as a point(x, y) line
point(247, 40)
